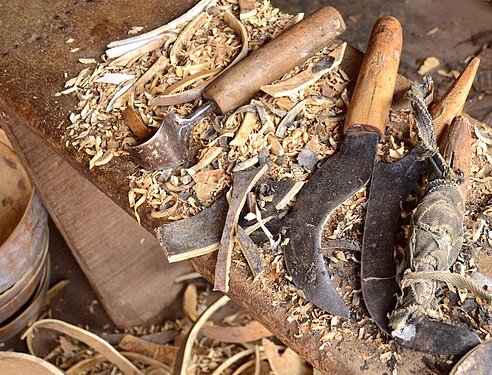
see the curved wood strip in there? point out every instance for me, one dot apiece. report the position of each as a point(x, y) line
point(196, 92)
point(89, 339)
point(185, 82)
point(306, 77)
point(186, 357)
point(186, 35)
point(192, 13)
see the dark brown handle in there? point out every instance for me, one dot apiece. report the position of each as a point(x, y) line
point(270, 62)
point(373, 91)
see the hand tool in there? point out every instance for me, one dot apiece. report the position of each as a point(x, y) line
point(345, 173)
point(390, 185)
point(434, 243)
point(168, 146)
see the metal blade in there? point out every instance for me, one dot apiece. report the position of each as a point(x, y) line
point(430, 336)
point(390, 185)
point(337, 180)
point(165, 149)
point(168, 147)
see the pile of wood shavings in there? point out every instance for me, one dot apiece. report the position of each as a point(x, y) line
point(248, 344)
point(98, 127)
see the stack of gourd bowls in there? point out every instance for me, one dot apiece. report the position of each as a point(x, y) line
point(24, 261)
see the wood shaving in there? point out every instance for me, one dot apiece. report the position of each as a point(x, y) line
point(429, 64)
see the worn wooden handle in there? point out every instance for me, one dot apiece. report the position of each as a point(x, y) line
point(373, 91)
point(270, 62)
point(455, 147)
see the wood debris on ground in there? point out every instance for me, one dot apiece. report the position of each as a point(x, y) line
point(291, 131)
point(215, 343)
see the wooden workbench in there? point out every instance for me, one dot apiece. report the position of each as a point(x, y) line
point(35, 63)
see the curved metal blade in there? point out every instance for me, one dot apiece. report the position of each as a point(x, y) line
point(168, 147)
point(337, 180)
point(390, 185)
point(165, 149)
point(429, 336)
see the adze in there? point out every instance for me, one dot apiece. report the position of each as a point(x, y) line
point(348, 171)
point(168, 147)
point(391, 183)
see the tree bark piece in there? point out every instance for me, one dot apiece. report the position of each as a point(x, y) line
point(238, 335)
point(250, 252)
point(199, 235)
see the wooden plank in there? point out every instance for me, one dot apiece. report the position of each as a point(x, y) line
point(124, 263)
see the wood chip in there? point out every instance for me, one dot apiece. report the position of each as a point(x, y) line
point(163, 353)
point(144, 49)
point(186, 17)
point(247, 126)
point(243, 182)
point(190, 302)
point(115, 78)
point(231, 360)
point(248, 9)
point(252, 331)
point(185, 36)
point(83, 367)
point(307, 77)
point(209, 157)
point(428, 65)
point(289, 363)
point(289, 118)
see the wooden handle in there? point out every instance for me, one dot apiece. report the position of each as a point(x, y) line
point(373, 92)
point(455, 148)
point(268, 63)
point(453, 101)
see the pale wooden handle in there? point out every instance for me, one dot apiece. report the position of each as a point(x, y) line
point(291, 48)
point(373, 92)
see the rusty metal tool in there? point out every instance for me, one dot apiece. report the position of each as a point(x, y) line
point(168, 146)
point(391, 184)
point(348, 171)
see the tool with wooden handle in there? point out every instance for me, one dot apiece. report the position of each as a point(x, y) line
point(168, 146)
point(391, 184)
point(348, 171)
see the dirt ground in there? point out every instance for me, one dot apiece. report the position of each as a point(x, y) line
point(448, 30)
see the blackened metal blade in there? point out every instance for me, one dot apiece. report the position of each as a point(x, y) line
point(429, 336)
point(338, 179)
point(390, 185)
